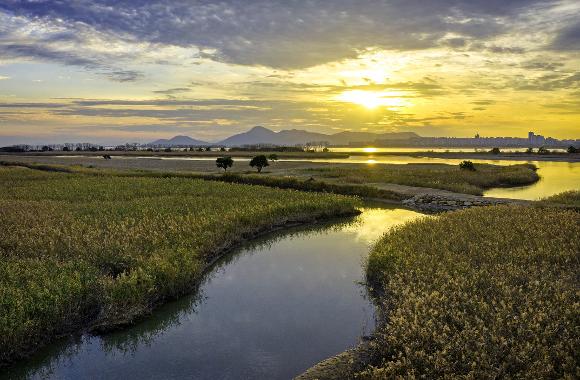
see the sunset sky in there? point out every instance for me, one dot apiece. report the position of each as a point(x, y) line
point(125, 70)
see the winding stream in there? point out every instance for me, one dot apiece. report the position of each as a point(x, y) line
point(271, 309)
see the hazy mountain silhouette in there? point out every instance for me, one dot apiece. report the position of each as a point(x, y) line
point(179, 141)
point(261, 135)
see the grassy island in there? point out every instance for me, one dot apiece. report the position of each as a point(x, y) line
point(96, 251)
point(436, 176)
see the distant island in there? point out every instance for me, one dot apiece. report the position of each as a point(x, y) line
point(263, 137)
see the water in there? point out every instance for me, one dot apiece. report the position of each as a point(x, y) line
point(270, 310)
point(420, 149)
point(555, 177)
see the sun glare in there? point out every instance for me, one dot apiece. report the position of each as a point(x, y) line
point(373, 99)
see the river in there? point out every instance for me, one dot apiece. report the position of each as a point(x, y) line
point(270, 310)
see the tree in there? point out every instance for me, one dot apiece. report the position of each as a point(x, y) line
point(573, 149)
point(224, 162)
point(543, 150)
point(273, 157)
point(530, 150)
point(259, 162)
point(66, 149)
point(495, 151)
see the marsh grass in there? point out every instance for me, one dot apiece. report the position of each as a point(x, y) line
point(249, 178)
point(569, 198)
point(97, 251)
point(437, 176)
point(480, 293)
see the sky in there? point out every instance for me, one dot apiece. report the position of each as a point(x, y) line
point(107, 71)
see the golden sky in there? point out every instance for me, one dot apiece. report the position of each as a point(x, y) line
point(116, 71)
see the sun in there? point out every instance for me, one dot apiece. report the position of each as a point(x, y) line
point(373, 99)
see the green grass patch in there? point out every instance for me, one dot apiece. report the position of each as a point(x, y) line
point(437, 176)
point(81, 250)
point(480, 293)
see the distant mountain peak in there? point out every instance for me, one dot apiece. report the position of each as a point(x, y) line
point(259, 128)
point(179, 140)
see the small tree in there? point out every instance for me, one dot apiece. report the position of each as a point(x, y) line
point(543, 150)
point(573, 149)
point(259, 162)
point(467, 165)
point(495, 151)
point(273, 157)
point(530, 150)
point(224, 163)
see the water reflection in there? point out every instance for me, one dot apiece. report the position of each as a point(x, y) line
point(270, 310)
point(556, 177)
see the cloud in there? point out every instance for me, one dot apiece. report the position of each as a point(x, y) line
point(550, 82)
point(173, 91)
point(3, 77)
point(567, 38)
point(55, 41)
point(274, 33)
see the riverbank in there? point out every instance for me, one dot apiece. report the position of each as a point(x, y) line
point(455, 303)
point(83, 252)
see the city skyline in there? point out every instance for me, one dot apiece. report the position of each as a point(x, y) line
point(127, 71)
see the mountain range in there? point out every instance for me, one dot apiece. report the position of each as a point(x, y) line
point(261, 135)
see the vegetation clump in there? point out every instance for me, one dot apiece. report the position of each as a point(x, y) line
point(224, 162)
point(467, 165)
point(501, 304)
point(570, 198)
point(96, 251)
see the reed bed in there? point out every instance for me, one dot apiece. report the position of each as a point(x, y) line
point(97, 251)
point(568, 198)
point(482, 293)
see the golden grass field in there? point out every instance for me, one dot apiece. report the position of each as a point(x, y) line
point(481, 293)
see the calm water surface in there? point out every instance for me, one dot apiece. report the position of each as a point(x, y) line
point(270, 310)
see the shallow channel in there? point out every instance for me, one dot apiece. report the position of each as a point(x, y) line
point(270, 310)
